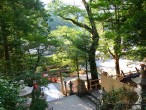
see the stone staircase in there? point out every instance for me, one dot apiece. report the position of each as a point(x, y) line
point(92, 99)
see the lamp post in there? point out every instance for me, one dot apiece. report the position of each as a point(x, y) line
point(141, 87)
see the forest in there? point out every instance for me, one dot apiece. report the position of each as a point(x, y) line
point(62, 35)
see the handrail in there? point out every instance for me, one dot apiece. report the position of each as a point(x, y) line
point(94, 80)
point(95, 84)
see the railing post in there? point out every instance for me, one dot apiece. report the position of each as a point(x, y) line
point(90, 85)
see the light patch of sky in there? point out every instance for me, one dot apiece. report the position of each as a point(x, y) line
point(70, 2)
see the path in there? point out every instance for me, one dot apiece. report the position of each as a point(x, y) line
point(125, 65)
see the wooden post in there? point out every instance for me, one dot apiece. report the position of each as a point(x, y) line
point(65, 88)
point(62, 85)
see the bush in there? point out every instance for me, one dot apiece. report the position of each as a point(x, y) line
point(37, 103)
point(119, 99)
point(9, 98)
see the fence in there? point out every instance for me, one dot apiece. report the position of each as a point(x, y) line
point(94, 83)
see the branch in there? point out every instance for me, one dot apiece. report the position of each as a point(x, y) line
point(78, 24)
point(91, 19)
point(111, 53)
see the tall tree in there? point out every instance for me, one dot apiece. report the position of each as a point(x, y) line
point(74, 14)
point(111, 15)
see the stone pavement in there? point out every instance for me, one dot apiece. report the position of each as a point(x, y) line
point(69, 103)
point(88, 101)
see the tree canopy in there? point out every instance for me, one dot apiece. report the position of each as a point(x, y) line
point(66, 35)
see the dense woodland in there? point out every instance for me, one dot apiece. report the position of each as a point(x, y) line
point(33, 37)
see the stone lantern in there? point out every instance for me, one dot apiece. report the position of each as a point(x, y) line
point(141, 88)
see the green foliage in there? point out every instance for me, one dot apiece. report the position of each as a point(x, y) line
point(29, 77)
point(82, 18)
point(37, 103)
point(65, 74)
point(52, 60)
point(23, 27)
point(9, 99)
point(2, 108)
point(135, 27)
point(57, 21)
point(110, 13)
point(116, 99)
point(73, 48)
point(66, 10)
point(136, 54)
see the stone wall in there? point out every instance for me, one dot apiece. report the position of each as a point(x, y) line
point(109, 83)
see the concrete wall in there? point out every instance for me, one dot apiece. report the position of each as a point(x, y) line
point(110, 83)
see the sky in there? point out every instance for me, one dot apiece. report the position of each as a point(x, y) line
point(71, 2)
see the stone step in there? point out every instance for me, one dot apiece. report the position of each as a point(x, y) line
point(93, 99)
point(97, 94)
point(89, 103)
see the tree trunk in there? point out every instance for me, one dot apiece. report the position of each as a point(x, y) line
point(6, 47)
point(6, 53)
point(116, 58)
point(117, 66)
point(92, 63)
point(94, 44)
point(117, 51)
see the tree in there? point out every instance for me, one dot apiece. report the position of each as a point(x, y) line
point(67, 50)
point(112, 16)
point(82, 43)
point(72, 13)
point(19, 20)
point(135, 28)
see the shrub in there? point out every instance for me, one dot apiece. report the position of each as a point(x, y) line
point(9, 98)
point(118, 99)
